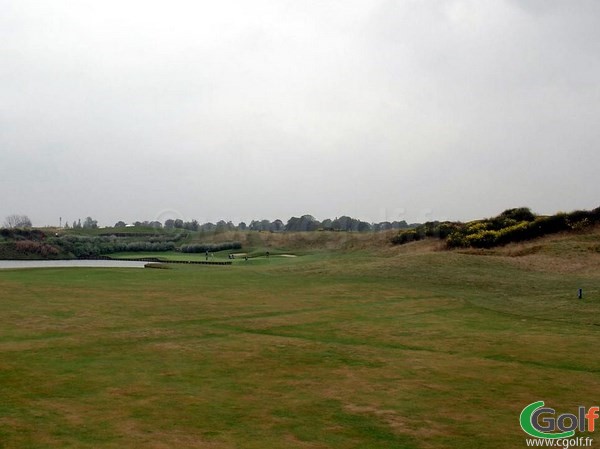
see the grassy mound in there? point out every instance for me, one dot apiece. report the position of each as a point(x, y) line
point(512, 225)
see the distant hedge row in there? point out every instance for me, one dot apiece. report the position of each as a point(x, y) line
point(22, 234)
point(28, 249)
point(210, 247)
point(513, 225)
point(88, 247)
point(91, 246)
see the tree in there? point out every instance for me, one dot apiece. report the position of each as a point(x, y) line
point(363, 226)
point(402, 225)
point(120, 224)
point(221, 227)
point(208, 227)
point(327, 224)
point(293, 224)
point(191, 225)
point(90, 223)
point(17, 221)
point(309, 223)
point(344, 223)
point(304, 223)
point(277, 226)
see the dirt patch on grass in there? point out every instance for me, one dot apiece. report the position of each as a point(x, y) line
point(390, 417)
point(138, 436)
point(419, 429)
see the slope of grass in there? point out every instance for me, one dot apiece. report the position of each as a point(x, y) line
point(403, 347)
point(511, 226)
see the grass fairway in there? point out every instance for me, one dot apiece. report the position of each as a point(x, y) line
point(364, 349)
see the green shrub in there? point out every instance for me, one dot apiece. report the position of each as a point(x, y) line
point(517, 214)
point(517, 225)
point(483, 239)
point(433, 229)
point(406, 237)
point(210, 247)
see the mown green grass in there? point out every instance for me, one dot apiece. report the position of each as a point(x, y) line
point(254, 255)
point(329, 350)
point(172, 255)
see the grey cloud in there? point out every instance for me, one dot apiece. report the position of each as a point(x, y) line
point(270, 109)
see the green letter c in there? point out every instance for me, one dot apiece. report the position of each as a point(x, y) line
point(526, 423)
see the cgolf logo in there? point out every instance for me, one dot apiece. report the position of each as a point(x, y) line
point(542, 422)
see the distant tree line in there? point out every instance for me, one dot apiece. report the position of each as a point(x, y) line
point(305, 223)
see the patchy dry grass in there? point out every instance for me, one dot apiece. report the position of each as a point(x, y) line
point(303, 241)
point(394, 347)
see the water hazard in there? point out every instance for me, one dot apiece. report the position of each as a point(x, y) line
point(11, 264)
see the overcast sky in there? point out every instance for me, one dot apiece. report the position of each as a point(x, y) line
point(382, 110)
